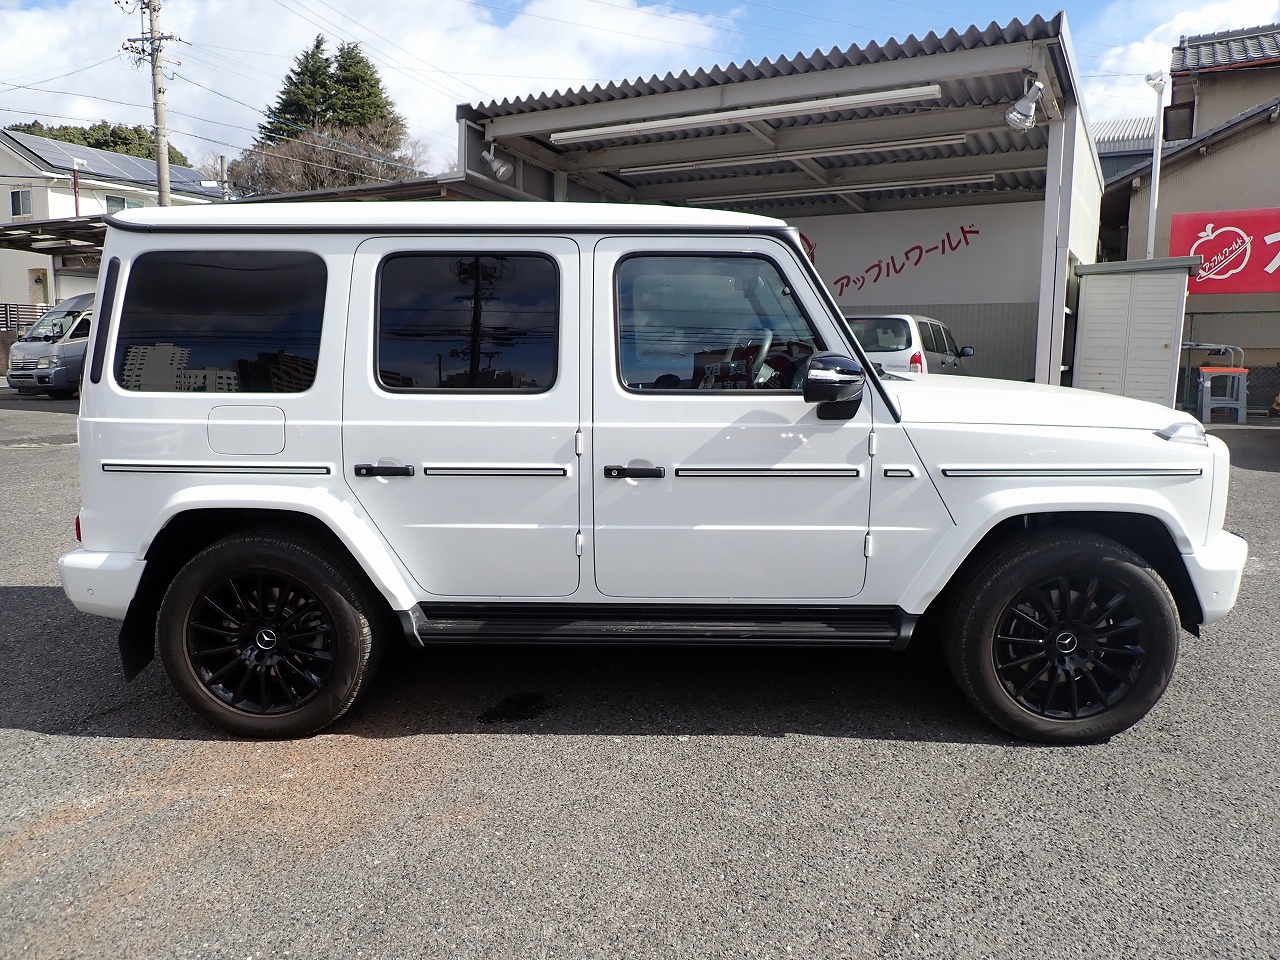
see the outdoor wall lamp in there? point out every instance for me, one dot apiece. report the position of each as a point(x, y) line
point(502, 170)
point(1022, 115)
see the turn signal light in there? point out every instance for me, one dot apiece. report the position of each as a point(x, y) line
point(78, 528)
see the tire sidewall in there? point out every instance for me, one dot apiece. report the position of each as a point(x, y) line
point(1031, 561)
point(238, 555)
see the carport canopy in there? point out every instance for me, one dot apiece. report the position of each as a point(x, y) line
point(902, 125)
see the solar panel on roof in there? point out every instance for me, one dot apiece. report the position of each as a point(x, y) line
point(58, 155)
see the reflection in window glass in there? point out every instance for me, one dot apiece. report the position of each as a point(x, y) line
point(710, 323)
point(243, 321)
point(468, 322)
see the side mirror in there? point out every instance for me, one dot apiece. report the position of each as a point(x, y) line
point(834, 382)
point(966, 351)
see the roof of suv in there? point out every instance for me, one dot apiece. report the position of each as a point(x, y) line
point(458, 215)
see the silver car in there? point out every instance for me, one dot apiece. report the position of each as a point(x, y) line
point(909, 343)
point(49, 357)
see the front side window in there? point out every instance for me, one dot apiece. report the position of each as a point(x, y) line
point(928, 337)
point(81, 329)
point(20, 202)
point(469, 321)
point(226, 321)
point(709, 323)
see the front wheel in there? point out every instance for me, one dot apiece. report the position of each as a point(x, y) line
point(1063, 638)
point(266, 636)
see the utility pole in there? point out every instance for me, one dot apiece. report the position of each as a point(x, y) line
point(149, 47)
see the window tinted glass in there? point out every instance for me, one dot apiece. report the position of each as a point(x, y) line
point(928, 338)
point(709, 323)
point(948, 340)
point(81, 330)
point(244, 321)
point(468, 322)
point(881, 334)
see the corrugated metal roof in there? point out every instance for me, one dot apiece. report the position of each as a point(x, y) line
point(977, 90)
point(1123, 136)
point(1250, 47)
point(58, 155)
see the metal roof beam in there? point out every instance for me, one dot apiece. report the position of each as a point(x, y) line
point(859, 78)
point(855, 180)
point(833, 136)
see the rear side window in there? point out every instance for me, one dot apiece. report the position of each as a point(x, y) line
point(226, 321)
point(468, 321)
point(932, 342)
point(948, 340)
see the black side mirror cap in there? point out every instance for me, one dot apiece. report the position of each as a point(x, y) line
point(834, 382)
point(966, 351)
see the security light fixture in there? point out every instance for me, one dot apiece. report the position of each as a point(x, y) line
point(502, 170)
point(874, 98)
point(1022, 115)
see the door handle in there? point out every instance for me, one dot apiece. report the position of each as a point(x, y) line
point(383, 470)
point(635, 473)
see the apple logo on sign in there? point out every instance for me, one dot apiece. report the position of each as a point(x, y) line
point(1225, 251)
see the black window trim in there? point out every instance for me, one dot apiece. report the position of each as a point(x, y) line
point(101, 330)
point(468, 391)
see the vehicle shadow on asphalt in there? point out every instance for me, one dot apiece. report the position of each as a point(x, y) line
point(62, 677)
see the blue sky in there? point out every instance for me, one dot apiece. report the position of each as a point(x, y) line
point(61, 62)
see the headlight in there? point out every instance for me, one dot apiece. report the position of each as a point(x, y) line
point(1184, 432)
point(44, 363)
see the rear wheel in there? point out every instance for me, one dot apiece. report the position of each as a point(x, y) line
point(1064, 638)
point(266, 636)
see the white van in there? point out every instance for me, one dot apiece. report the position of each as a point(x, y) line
point(909, 343)
point(310, 431)
point(49, 356)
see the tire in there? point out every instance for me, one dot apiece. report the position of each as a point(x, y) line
point(265, 636)
point(61, 394)
point(1069, 673)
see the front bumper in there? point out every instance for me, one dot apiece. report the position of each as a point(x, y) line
point(1215, 570)
point(39, 381)
point(100, 583)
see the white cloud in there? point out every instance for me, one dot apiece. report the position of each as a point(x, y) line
point(431, 58)
point(1113, 84)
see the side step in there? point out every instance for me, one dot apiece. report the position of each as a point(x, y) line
point(432, 623)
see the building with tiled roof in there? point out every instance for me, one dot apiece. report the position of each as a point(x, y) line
point(1217, 76)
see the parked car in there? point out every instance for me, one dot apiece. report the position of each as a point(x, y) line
point(309, 431)
point(909, 343)
point(48, 358)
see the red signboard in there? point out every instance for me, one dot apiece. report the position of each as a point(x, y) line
point(1241, 250)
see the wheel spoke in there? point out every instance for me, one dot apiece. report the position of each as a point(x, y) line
point(1064, 598)
point(218, 631)
point(1025, 641)
point(242, 688)
point(1032, 621)
point(1074, 694)
point(303, 675)
point(263, 702)
point(305, 608)
point(1022, 661)
point(1093, 681)
point(1047, 702)
point(235, 592)
point(214, 651)
point(1110, 651)
point(288, 690)
point(1099, 665)
point(223, 671)
point(1018, 694)
point(1116, 628)
point(1109, 609)
point(322, 655)
point(222, 613)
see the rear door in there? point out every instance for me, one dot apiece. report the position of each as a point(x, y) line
point(461, 409)
point(712, 478)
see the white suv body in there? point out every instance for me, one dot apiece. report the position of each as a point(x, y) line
point(308, 429)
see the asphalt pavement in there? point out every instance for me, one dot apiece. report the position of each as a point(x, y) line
point(531, 803)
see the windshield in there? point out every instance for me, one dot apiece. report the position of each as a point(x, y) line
point(881, 334)
point(56, 322)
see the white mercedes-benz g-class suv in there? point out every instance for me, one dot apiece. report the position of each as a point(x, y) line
point(308, 431)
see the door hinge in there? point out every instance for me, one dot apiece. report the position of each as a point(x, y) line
point(577, 544)
point(871, 444)
point(866, 546)
point(579, 443)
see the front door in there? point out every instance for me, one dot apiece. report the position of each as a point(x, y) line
point(461, 410)
point(712, 478)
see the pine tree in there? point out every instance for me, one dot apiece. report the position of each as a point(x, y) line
point(305, 99)
point(359, 98)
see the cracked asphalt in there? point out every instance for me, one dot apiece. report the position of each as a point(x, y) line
point(532, 803)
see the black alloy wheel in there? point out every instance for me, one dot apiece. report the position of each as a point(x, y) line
point(1071, 646)
point(261, 642)
point(1063, 637)
point(266, 635)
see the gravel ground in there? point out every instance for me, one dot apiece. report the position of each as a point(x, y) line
point(640, 803)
